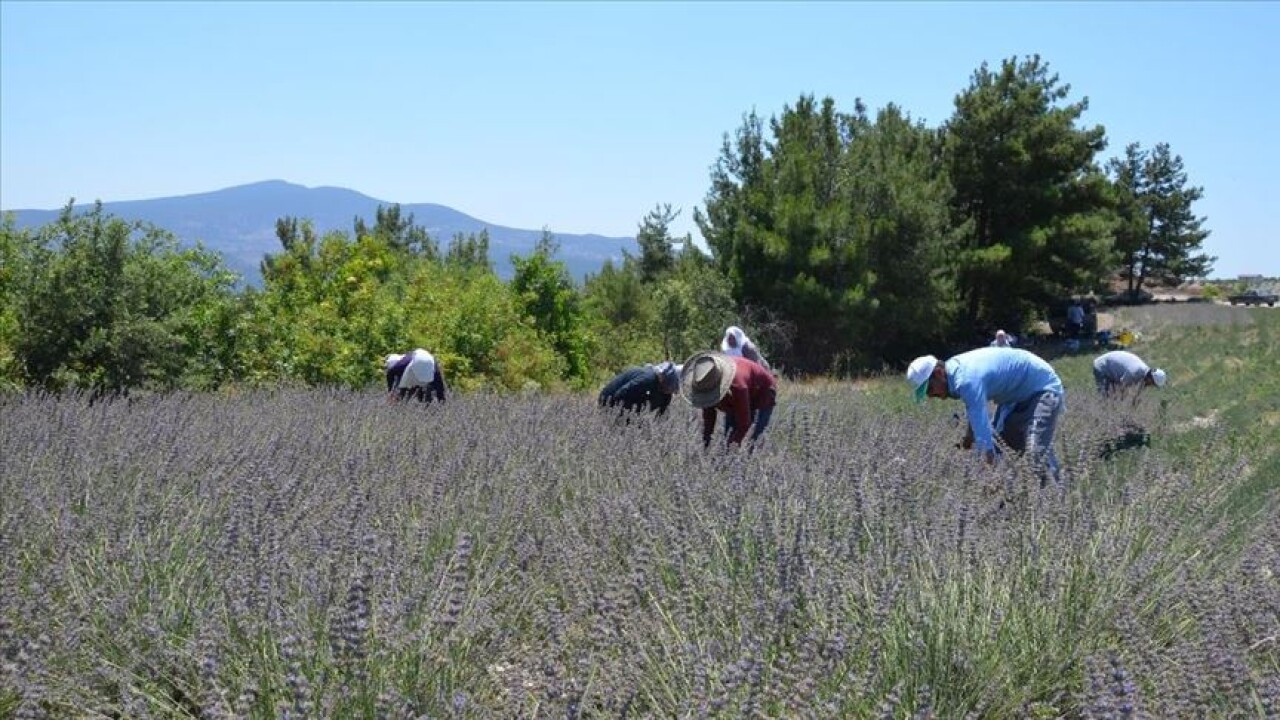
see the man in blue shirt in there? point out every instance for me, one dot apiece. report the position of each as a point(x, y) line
point(1026, 390)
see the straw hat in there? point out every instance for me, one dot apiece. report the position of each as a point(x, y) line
point(705, 378)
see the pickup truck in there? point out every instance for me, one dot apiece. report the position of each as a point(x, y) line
point(1253, 297)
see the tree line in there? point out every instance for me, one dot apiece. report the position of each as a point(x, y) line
point(843, 242)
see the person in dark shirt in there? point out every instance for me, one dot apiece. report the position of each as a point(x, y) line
point(742, 389)
point(415, 374)
point(646, 387)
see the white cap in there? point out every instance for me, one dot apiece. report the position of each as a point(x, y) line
point(1159, 377)
point(392, 359)
point(919, 371)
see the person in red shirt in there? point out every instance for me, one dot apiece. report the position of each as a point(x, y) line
point(740, 388)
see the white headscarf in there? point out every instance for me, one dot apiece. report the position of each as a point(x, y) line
point(739, 337)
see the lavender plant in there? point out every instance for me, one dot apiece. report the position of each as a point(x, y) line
point(316, 553)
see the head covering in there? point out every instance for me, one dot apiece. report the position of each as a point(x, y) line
point(918, 374)
point(1002, 339)
point(740, 339)
point(705, 378)
point(392, 359)
point(668, 375)
point(1159, 377)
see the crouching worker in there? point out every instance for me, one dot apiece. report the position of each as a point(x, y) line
point(414, 375)
point(647, 387)
point(1118, 371)
point(742, 389)
point(1026, 390)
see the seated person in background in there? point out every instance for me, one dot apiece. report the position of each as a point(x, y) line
point(1075, 320)
point(647, 387)
point(414, 375)
point(736, 343)
point(1004, 339)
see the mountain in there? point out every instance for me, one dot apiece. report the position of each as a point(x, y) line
point(240, 223)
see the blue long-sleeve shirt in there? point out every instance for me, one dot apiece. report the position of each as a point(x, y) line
point(1005, 376)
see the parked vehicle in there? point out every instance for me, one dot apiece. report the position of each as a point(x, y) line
point(1253, 297)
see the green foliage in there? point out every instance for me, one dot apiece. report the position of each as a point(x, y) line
point(693, 306)
point(546, 294)
point(470, 251)
point(663, 305)
point(897, 194)
point(326, 306)
point(657, 254)
point(111, 305)
point(477, 329)
point(15, 251)
point(1032, 202)
point(838, 226)
point(1159, 235)
point(399, 232)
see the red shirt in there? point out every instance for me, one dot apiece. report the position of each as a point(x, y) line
point(753, 388)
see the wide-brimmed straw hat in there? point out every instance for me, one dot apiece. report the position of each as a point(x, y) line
point(705, 378)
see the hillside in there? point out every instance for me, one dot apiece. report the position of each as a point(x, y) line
point(239, 222)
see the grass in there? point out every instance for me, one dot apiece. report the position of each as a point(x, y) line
point(317, 553)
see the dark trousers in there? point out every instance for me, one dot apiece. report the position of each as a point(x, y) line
point(759, 421)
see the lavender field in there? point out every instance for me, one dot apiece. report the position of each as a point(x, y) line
point(317, 553)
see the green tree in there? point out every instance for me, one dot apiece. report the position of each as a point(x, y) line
point(833, 232)
point(326, 307)
point(898, 194)
point(657, 246)
point(16, 246)
point(1033, 205)
point(779, 227)
point(694, 304)
point(1159, 234)
point(399, 231)
point(112, 305)
point(470, 250)
point(545, 292)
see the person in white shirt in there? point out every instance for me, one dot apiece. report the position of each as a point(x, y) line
point(736, 343)
point(415, 374)
point(1004, 339)
point(1118, 371)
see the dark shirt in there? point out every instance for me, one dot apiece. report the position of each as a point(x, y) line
point(635, 388)
point(753, 388)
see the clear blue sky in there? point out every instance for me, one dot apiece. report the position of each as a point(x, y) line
point(582, 116)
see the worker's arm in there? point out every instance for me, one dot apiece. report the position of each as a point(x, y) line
point(437, 383)
point(980, 424)
point(741, 414)
point(708, 425)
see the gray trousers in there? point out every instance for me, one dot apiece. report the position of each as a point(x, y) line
point(1029, 425)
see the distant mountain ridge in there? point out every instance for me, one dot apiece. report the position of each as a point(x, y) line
point(240, 223)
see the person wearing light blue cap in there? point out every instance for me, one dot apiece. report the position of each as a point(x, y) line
point(1026, 390)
